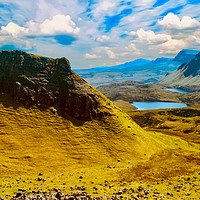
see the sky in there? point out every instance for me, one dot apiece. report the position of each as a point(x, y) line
point(92, 33)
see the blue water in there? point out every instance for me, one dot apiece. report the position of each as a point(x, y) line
point(178, 90)
point(148, 105)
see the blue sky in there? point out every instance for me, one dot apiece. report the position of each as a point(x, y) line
point(93, 33)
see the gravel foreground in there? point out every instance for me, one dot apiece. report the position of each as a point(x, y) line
point(182, 189)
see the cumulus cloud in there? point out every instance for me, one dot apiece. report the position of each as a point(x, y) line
point(132, 33)
point(13, 29)
point(136, 33)
point(196, 36)
point(110, 53)
point(172, 46)
point(133, 49)
point(58, 25)
point(91, 56)
point(167, 41)
point(172, 21)
point(103, 38)
point(150, 37)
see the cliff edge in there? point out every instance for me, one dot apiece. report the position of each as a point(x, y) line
point(45, 82)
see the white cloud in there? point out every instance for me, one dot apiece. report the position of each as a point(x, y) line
point(110, 53)
point(106, 50)
point(13, 29)
point(173, 46)
point(91, 56)
point(3, 38)
point(150, 37)
point(59, 24)
point(196, 36)
point(132, 33)
point(16, 42)
point(13, 34)
point(103, 38)
point(45, 10)
point(132, 49)
point(144, 3)
point(88, 20)
point(103, 6)
point(166, 41)
point(172, 21)
point(119, 51)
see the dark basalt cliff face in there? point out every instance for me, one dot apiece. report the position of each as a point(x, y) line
point(193, 68)
point(187, 76)
point(45, 82)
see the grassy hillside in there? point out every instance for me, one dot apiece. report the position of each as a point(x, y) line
point(31, 138)
point(179, 122)
point(34, 141)
point(87, 142)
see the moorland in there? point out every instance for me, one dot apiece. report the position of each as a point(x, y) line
point(60, 138)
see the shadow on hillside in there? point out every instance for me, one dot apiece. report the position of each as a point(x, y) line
point(8, 102)
point(74, 121)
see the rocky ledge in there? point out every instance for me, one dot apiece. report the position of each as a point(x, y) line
point(45, 82)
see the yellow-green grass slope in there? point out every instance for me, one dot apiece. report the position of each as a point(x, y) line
point(34, 140)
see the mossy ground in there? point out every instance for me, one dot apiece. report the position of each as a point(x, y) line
point(34, 141)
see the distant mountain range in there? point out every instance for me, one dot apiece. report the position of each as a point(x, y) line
point(186, 55)
point(142, 70)
point(187, 76)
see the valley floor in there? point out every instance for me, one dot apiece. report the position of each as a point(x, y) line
point(97, 183)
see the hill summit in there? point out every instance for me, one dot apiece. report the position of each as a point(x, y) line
point(87, 129)
point(44, 82)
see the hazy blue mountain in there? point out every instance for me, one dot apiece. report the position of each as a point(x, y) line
point(187, 76)
point(186, 55)
point(137, 62)
point(142, 70)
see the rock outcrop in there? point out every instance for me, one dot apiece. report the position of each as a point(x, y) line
point(45, 82)
point(187, 76)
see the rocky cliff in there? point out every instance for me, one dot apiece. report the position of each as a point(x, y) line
point(45, 82)
point(187, 76)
